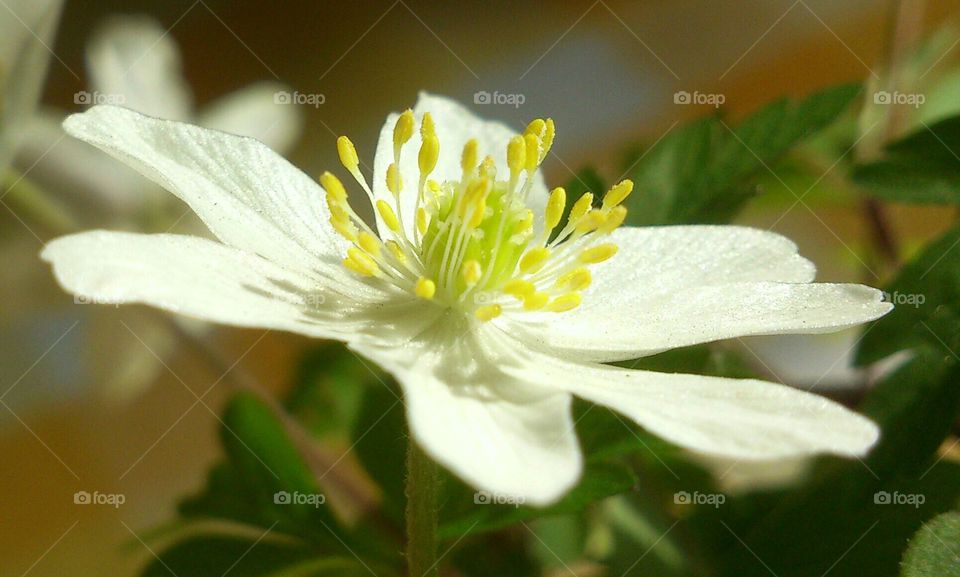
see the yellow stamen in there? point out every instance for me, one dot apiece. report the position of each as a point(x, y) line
point(516, 154)
point(359, 262)
point(565, 303)
point(614, 219)
point(533, 151)
point(598, 254)
point(345, 228)
point(546, 143)
point(429, 153)
point(617, 194)
point(370, 244)
point(402, 131)
point(581, 207)
point(425, 288)
point(534, 259)
point(396, 250)
point(334, 187)
point(468, 161)
point(555, 206)
point(389, 217)
point(422, 220)
point(394, 180)
point(576, 280)
point(535, 301)
point(471, 272)
point(519, 288)
point(593, 220)
point(488, 312)
point(348, 154)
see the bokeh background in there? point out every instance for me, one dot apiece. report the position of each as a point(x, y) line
point(605, 70)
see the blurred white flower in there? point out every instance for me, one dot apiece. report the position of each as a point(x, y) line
point(489, 318)
point(134, 62)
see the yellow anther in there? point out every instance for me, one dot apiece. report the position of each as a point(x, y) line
point(598, 254)
point(516, 154)
point(425, 288)
point(396, 250)
point(427, 128)
point(429, 153)
point(488, 312)
point(388, 216)
point(546, 143)
point(580, 208)
point(534, 259)
point(488, 168)
point(479, 212)
point(535, 301)
point(617, 194)
point(474, 197)
point(345, 228)
point(422, 220)
point(575, 280)
point(360, 262)
point(471, 272)
point(536, 127)
point(334, 188)
point(402, 131)
point(565, 303)
point(591, 221)
point(525, 224)
point(615, 218)
point(468, 160)
point(533, 151)
point(348, 154)
point(370, 244)
point(555, 206)
point(337, 212)
point(519, 288)
point(394, 180)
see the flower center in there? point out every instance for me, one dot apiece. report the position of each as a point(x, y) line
point(475, 243)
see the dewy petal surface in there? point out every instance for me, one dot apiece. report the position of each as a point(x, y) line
point(455, 125)
point(135, 58)
point(677, 286)
point(210, 281)
point(253, 111)
point(249, 197)
point(468, 410)
point(736, 418)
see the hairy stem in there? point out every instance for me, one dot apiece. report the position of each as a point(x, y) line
point(423, 497)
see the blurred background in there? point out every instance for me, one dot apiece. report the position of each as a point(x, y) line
point(607, 71)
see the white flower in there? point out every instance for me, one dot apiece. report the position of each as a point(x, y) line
point(489, 333)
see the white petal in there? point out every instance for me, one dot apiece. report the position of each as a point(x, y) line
point(740, 419)
point(210, 281)
point(136, 60)
point(679, 286)
point(253, 111)
point(500, 433)
point(249, 197)
point(455, 125)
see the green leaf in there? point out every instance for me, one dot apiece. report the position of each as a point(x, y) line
point(328, 390)
point(204, 556)
point(926, 297)
point(379, 439)
point(479, 512)
point(703, 172)
point(923, 167)
point(935, 550)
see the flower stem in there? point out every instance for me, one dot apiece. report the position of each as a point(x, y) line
point(423, 498)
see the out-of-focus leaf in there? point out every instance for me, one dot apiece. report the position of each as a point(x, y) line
point(204, 556)
point(328, 391)
point(481, 513)
point(703, 172)
point(922, 167)
point(926, 297)
point(379, 439)
point(935, 550)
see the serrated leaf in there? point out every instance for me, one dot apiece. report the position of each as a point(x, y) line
point(935, 550)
